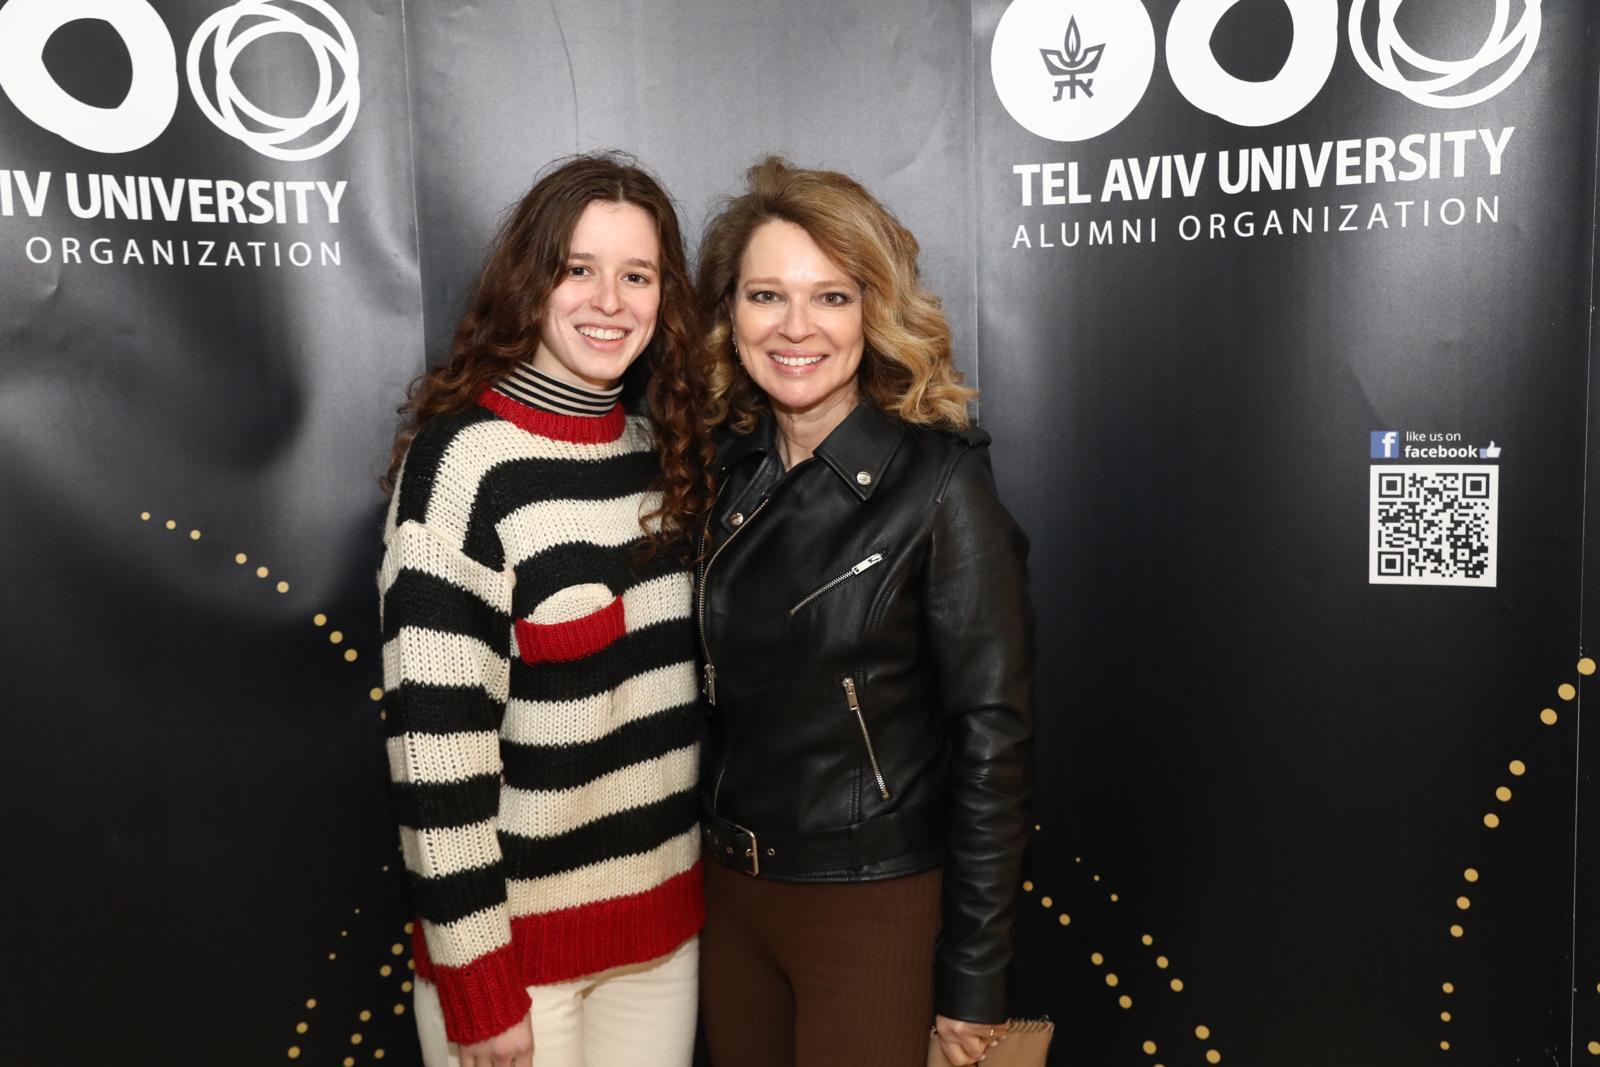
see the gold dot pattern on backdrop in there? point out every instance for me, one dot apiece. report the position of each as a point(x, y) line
point(1566, 691)
point(262, 571)
point(1118, 981)
point(1594, 1048)
point(346, 934)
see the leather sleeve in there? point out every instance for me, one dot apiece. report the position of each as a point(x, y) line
point(980, 625)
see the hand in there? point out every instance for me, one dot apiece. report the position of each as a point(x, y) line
point(514, 1048)
point(963, 1042)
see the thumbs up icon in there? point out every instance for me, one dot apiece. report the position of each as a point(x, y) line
point(1491, 450)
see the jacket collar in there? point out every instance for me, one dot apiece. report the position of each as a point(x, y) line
point(858, 450)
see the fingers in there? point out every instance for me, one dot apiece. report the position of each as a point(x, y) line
point(966, 1043)
point(954, 1054)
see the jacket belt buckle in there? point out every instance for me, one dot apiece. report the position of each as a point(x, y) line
point(753, 853)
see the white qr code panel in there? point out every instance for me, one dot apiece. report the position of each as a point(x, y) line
point(1434, 525)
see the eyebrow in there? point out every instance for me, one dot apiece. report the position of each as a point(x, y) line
point(825, 283)
point(649, 264)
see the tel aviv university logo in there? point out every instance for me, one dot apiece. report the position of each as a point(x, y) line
point(1057, 99)
point(27, 25)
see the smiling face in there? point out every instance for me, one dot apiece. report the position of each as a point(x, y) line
point(797, 323)
point(601, 315)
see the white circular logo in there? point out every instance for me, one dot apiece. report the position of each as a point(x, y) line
point(1203, 82)
point(1072, 70)
point(26, 27)
point(338, 95)
point(1441, 76)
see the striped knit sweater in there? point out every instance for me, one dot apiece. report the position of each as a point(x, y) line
point(540, 695)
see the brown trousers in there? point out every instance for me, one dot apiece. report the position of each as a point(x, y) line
point(818, 974)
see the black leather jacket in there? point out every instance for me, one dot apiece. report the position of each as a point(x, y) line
point(867, 644)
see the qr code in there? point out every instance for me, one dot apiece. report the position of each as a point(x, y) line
point(1434, 525)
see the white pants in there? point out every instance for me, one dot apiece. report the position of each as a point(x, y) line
point(641, 1015)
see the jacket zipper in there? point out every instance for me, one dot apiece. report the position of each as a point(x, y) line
point(709, 671)
point(870, 561)
point(872, 757)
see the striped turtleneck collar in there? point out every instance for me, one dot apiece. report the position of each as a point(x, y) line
point(542, 391)
point(540, 404)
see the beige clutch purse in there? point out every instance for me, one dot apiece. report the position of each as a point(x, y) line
point(1027, 1041)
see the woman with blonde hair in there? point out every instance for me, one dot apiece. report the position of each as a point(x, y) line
point(866, 658)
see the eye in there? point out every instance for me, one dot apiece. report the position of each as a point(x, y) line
point(638, 279)
point(836, 299)
point(762, 296)
point(578, 270)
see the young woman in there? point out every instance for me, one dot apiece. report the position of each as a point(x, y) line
point(538, 648)
point(865, 635)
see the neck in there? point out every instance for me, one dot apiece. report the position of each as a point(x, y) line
point(532, 386)
point(800, 432)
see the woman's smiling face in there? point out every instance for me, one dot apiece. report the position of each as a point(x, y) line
point(602, 314)
point(797, 322)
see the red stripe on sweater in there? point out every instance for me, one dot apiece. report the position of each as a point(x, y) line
point(562, 642)
point(559, 946)
point(579, 429)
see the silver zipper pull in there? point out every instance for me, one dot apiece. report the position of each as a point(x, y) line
point(866, 736)
point(710, 683)
point(876, 557)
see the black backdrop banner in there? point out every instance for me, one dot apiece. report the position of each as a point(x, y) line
point(1281, 312)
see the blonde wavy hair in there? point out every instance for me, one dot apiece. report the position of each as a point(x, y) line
point(906, 370)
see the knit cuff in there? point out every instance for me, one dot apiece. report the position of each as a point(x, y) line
point(483, 999)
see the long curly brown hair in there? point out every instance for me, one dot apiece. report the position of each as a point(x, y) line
point(906, 369)
point(500, 329)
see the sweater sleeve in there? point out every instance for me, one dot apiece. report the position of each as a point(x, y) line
point(446, 639)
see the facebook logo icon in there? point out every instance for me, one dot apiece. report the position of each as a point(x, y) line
point(1385, 444)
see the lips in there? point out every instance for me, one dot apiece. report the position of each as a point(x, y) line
point(602, 333)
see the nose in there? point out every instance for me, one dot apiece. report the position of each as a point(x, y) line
point(796, 324)
point(607, 296)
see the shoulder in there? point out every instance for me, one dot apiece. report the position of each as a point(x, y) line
point(959, 454)
point(638, 434)
point(446, 458)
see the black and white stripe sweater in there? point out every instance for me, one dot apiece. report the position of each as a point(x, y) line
point(540, 695)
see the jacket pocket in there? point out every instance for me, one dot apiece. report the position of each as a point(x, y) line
point(852, 698)
point(828, 586)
